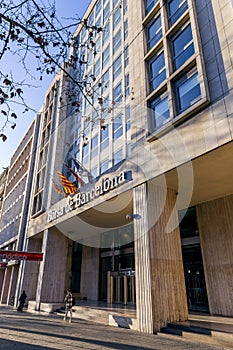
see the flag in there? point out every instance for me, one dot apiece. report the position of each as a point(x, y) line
point(78, 178)
point(69, 188)
point(57, 188)
point(82, 170)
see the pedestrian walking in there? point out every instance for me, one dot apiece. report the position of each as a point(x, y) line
point(22, 300)
point(69, 304)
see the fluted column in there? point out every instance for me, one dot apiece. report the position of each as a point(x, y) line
point(142, 262)
point(169, 302)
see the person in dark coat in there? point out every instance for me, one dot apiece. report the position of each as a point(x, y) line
point(69, 304)
point(22, 300)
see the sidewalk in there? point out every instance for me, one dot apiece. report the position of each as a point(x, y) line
point(27, 331)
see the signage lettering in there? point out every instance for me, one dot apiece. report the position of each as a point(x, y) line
point(82, 198)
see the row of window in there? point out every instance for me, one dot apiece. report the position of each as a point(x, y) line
point(186, 91)
point(185, 88)
point(175, 8)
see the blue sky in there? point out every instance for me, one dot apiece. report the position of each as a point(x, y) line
point(34, 97)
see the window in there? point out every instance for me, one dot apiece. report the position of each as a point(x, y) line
point(106, 12)
point(126, 31)
point(127, 86)
point(106, 57)
point(115, 3)
point(157, 71)
point(116, 17)
point(117, 127)
point(117, 67)
point(106, 32)
point(105, 81)
point(117, 41)
point(91, 19)
point(97, 68)
point(126, 56)
point(104, 166)
point(187, 90)
point(98, 8)
point(127, 118)
point(182, 46)
point(125, 6)
point(175, 9)
point(85, 151)
point(117, 93)
point(117, 157)
point(153, 32)
point(104, 138)
point(94, 146)
point(159, 112)
point(149, 4)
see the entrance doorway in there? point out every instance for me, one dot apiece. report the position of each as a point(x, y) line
point(193, 266)
point(117, 267)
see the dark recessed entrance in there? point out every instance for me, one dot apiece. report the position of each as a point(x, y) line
point(193, 266)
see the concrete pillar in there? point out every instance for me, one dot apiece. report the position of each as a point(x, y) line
point(30, 270)
point(169, 301)
point(90, 273)
point(160, 284)
point(142, 262)
point(52, 271)
point(215, 223)
point(6, 285)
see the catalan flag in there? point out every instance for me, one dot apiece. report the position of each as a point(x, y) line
point(78, 178)
point(69, 188)
point(57, 188)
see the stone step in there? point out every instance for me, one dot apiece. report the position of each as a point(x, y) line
point(199, 334)
point(106, 317)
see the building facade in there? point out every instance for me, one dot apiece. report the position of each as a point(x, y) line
point(147, 145)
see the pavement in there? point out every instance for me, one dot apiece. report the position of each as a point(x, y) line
point(38, 331)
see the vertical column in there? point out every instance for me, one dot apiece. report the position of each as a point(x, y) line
point(168, 290)
point(142, 262)
point(52, 272)
point(215, 222)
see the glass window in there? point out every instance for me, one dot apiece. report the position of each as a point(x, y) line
point(106, 32)
point(106, 57)
point(91, 19)
point(104, 166)
point(94, 146)
point(104, 138)
point(159, 112)
point(117, 68)
point(97, 68)
point(117, 127)
point(127, 118)
point(116, 17)
point(187, 90)
point(182, 46)
point(98, 8)
point(115, 3)
point(125, 6)
point(117, 93)
point(126, 32)
point(153, 32)
point(149, 4)
point(157, 71)
point(85, 150)
point(106, 12)
point(175, 9)
point(117, 157)
point(127, 85)
point(126, 56)
point(117, 41)
point(105, 81)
